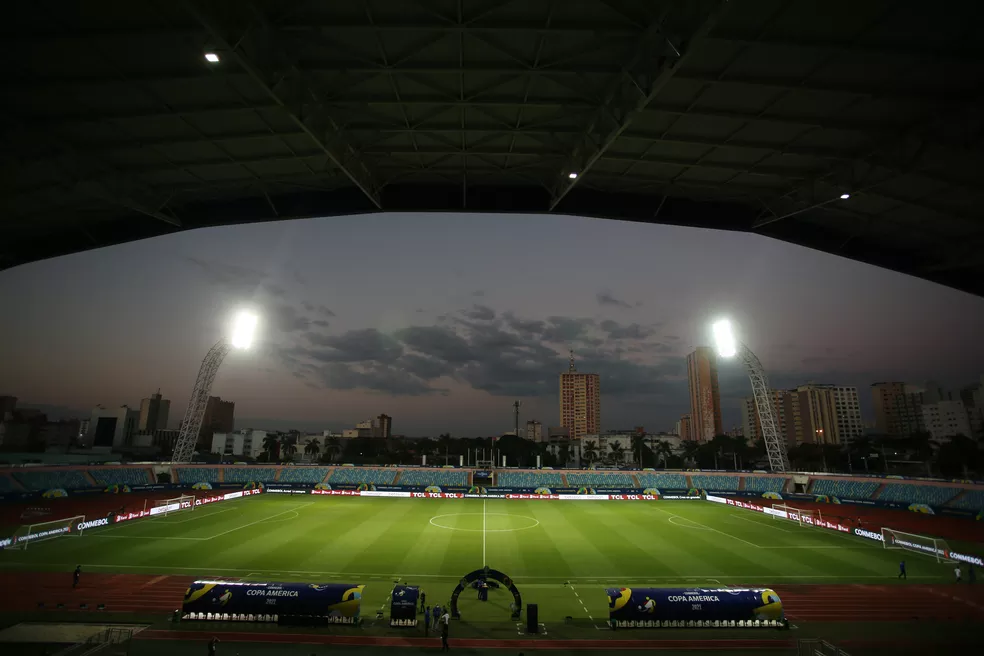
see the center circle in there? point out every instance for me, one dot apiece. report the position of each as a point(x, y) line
point(534, 520)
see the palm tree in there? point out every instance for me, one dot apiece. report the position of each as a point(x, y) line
point(288, 447)
point(271, 446)
point(332, 447)
point(590, 451)
point(662, 450)
point(691, 449)
point(313, 448)
point(618, 452)
point(638, 444)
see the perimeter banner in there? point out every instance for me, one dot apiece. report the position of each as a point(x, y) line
point(628, 605)
point(341, 602)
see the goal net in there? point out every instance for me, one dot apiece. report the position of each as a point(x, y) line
point(934, 547)
point(29, 534)
point(798, 515)
point(163, 507)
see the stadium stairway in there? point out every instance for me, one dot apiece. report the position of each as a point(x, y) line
point(120, 593)
point(878, 491)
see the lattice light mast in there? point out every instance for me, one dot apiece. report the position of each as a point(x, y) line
point(242, 336)
point(728, 347)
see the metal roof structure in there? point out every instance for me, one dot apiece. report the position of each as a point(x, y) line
point(752, 115)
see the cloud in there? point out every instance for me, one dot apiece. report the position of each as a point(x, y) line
point(318, 309)
point(235, 277)
point(478, 292)
point(378, 378)
point(320, 323)
point(630, 331)
point(366, 345)
point(607, 298)
point(480, 313)
point(286, 318)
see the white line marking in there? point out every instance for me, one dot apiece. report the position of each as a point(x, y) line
point(305, 505)
point(665, 512)
point(199, 515)
point(484, 561)
point(141, 537)
point(753, 521)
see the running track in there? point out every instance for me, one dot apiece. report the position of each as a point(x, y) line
point(145, 593)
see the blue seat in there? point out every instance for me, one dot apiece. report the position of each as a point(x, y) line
point(931, 495)
point(67, 479)
point(710, 482)
point(971, 500)
point(250, 474)
point(303, 474)
point(529, 479)
point(121, 476)
point(192, 475)
point(358, 475)
point(600, 479)
point(765, 484)
point(844, 487)
point(663, 481)
point(440, 477)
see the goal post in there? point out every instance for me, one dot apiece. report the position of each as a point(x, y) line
point(923, 544)
point(29, 534)
point(163, 507)
point(801, 516)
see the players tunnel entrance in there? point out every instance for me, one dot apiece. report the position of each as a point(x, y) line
point(479, 578)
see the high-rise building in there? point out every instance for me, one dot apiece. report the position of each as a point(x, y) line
point(973, 400)
point(580, 402)
point(848, 409)
point(684, 428)
point(705, 397)
point(385, 426)
point(945, 419)
point(111, 427)
point(219, 418)
point(898, 410)
point(750, 422)
point(153, 413)
point(534, 431)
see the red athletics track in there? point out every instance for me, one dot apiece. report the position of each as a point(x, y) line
point(148, 593)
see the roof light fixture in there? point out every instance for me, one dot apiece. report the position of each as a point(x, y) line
point(211, 57)
point(572, 175)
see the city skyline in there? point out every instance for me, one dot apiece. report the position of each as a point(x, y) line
point(446, 320)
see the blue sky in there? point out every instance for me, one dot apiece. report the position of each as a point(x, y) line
point(443, 320)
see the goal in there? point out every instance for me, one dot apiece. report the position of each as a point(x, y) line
point(28, 534)
point(935, 547)
point(162, 507)
point(799, 515)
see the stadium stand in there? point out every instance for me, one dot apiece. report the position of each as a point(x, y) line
point(931, 495)
point(433, 477)
point(303, 474)
point(663, 481)
point(705, 482)
point(598, 479)
point(529, 479)
point(249, 474)
point(764, 484)
point(68, 479)
point(845, 488)
point(969, 500)
point(7, 484)
point(121, 476)
point(362, 475)
point(192, 475)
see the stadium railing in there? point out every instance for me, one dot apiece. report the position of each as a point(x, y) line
point(847, 489)
point(121, 476)
point(765, 484)
point(312, 475)
point(358, 475)
point(440, 477)
point(67, 479)
point(712, 482)
point(192, 475)
point(931, 495)
point(249, 474)
point(662, 481)
point(524, 479)
point(599, 479)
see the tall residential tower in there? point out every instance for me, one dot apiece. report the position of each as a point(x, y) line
point(580, 402)
point(705, 397)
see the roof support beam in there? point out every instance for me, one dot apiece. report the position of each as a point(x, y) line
point(256, 52)
point(654, 63)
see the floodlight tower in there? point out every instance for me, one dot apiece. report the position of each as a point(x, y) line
point(242, 335)
point(728, 347)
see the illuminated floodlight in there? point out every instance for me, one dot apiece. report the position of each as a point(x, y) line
point(572, 175)
point(724, 338)
point(845, 196)
point(242, 330)
point(211, 57)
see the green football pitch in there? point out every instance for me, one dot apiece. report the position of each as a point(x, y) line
point(562, 554)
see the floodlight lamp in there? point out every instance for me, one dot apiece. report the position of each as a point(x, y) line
point(243, 328)
point(211, 57)
point(845, 196)
point(724, 338)
point(572, 175)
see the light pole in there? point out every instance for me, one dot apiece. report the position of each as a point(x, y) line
point(728, 346)
point(241, 337)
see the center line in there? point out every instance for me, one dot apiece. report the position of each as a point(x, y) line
point(484, 502)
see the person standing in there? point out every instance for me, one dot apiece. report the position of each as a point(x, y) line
point(902, 574)
point(76, 575)
point(427, 620)
point(436, 613)
point(211, 646)
point(423, 598)
point(956, 573)
point(445, 627)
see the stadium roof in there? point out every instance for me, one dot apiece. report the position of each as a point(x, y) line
point(754, 115)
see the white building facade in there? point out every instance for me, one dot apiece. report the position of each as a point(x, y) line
point(945, 419)
point(247, 443)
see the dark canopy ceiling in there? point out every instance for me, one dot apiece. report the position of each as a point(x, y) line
point(748, 115)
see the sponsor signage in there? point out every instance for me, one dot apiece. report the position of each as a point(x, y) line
point(277, 490)
point(102, 521)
